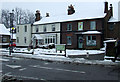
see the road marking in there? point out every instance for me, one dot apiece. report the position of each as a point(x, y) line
point(16, 58)
point(22, 69)
point(25, 77)
point(13, 66)
point(58, 69)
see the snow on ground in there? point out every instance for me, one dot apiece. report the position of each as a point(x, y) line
point(59, 58)
point(40, 51)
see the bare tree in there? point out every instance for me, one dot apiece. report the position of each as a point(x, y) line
point(20, 17)
point(5, 18)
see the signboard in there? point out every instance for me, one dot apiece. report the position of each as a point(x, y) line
point(60, 47)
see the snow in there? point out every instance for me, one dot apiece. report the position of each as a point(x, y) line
point(110, 41)
point(3, 30)
point(37, 36)
point(60, 58)
point(91, 32)
point(85, 10)
point(112, 19)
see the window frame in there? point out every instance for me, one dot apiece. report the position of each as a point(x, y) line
point(69, 40)
point(69, 27)
point(92, 25)
point(90, 40)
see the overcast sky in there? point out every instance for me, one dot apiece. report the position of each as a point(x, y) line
point(51, 6)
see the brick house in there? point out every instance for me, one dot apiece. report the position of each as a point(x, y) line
point(78, 30)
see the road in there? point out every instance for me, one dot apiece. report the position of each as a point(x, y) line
point(31, 69)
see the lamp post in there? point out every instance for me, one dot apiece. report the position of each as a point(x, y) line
point(11, 31)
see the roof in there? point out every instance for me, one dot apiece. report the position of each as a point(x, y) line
point(3, 30)
point(112, 19)
point(91, 32)
point(85, 10)
point(37, 36)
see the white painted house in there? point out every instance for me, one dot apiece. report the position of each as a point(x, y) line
point(23, 35)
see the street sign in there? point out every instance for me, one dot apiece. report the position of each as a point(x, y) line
point(60, 47)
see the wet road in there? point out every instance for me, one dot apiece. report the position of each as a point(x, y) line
point(30, 69)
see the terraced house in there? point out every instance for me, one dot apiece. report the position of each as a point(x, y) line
point(84, 29)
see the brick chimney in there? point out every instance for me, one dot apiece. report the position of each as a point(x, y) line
point(111, 9)
point(37, 15)
point(106, 7)
point(47, 15)
point(71, 10)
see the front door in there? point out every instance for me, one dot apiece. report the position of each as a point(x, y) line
point(80, 41)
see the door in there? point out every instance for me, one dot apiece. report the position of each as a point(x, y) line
point(80, 41)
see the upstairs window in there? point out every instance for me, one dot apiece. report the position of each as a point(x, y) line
point(18, 29)
point(69, 27)
point(80, 26)
point(111, 26)
point(37, 29)
point(25, 28)
point(53, 27)
point(44, 29)
point(92, 25)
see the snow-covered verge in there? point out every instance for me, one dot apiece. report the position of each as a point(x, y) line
point(40, 51)
point(59, 58)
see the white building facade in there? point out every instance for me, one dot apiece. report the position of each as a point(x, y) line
point(23, 35)
point(49, 33)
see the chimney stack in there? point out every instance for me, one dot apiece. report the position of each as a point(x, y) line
point(37, 15)
point(71, 9)
point(111, 9)
point(47, 14)
point(106, 7)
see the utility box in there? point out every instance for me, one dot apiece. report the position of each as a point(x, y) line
point(110, 48)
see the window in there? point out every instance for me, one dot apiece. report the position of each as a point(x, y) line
point(69, 42)
point(50, 39)
point(69, 27)
point(111, 26)
point(37, 29)
point(17, 39)
point(25, 39)
point(4, 39)
point(53, 27)
point(18, 29)
point(91, 40)
point(80, 26)
point(25, 28)
point(44, 29)
point(92, 25)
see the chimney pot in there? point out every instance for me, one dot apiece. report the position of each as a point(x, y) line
point(106, 7)
point(37, 15)
point(47, 14)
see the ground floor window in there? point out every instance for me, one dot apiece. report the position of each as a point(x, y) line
point(4, 39)
point(50, 39)
point(91, 40)
point(69, 42)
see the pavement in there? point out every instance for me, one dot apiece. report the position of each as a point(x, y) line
point(89, 60)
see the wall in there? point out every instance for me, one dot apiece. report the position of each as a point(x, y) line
point(21, 34)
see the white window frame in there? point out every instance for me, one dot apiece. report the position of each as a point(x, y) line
point(91, 42)
point(92, 25)
point(69, 40)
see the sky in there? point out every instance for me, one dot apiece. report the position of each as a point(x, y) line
point(45, 6)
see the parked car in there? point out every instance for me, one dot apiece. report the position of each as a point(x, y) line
point(48, 46)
